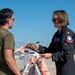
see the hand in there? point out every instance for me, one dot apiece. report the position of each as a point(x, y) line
point(21, 50)
point(32, 46)
point(46, 55)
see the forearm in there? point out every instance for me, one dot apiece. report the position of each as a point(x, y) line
point(12, 65)
point(16, 50)
point(41, 49)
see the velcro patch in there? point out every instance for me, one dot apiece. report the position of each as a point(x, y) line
point(69, 39)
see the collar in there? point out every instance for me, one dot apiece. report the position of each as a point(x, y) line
point(63, 29)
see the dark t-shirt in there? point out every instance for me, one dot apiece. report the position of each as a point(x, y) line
point(6, 42)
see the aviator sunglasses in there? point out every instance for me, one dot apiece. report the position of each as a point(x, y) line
point(54, 19)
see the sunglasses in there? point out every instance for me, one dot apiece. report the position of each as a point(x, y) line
point(54, 19)
point(12, 19)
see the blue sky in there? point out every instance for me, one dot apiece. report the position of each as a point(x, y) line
point(33, 18)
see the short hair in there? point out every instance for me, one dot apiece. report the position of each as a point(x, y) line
point(4, 14)
point(62, 17)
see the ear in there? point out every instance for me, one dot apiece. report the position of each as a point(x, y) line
point(8, 21)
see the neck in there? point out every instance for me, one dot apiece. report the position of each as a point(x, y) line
point(60, 28)
point(5, 27)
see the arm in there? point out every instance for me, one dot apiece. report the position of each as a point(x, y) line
point(8, 55)
point(39, 48)
point(46, 55)
point(21, 50)
point(43, 49)
point(16, 50)
point(68, 45)
point(9, 46)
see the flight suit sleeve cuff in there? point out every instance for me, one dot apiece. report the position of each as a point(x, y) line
point(54, 57)
point(42, 49)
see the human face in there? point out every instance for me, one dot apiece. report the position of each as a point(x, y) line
point(11, 22)
point(55, 21)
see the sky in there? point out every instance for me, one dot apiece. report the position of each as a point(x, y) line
point(33, 19)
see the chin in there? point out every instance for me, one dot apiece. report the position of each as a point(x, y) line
point(55, 26)
point(10, 28)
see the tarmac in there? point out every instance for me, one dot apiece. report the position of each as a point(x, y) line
point(50, 64)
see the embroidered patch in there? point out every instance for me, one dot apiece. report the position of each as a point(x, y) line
point(69, 39)
point(56, 40)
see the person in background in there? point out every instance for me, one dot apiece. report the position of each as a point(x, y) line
point(61, 48)
point(8, 65)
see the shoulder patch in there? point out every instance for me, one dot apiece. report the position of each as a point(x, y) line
point(69, 39)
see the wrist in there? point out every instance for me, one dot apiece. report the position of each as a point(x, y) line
point(17, 50)
point(51, 56)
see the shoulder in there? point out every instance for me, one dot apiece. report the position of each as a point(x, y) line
point(9, 35)
point(69, 31)
point(69, 35)
point(4, 33)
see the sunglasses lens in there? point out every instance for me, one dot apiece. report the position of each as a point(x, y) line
point(54, 19)
point(13, 19)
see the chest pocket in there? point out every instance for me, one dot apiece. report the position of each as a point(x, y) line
point(57, 43)
point(57, 40)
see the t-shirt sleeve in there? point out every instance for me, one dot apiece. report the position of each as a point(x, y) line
point(9, 42)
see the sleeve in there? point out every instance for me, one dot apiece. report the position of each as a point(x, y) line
point(9, 42)
point(68, 45)
point(42, 49)
point(67, 48)
point(45, 49)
